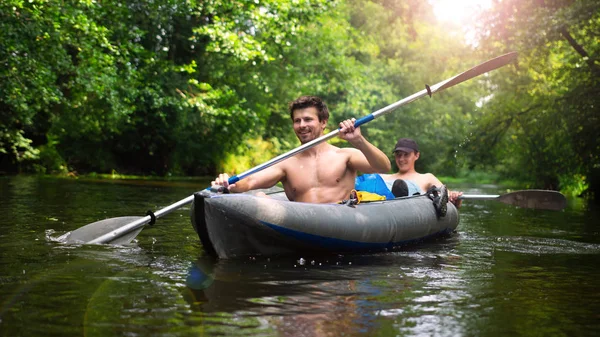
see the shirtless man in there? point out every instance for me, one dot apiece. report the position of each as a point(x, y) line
point(323, 173)
point(406, 153)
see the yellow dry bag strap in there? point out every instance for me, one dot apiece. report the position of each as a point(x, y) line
point(364, 196)
point(356, 197)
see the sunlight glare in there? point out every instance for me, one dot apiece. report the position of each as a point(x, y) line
point(458, 11)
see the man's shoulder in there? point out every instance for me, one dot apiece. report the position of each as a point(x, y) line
point(335, 150)
point(344, 150)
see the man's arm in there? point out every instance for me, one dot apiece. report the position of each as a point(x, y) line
point(263, 179)
point(370, 159)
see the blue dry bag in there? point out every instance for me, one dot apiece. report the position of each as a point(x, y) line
point(373, 183)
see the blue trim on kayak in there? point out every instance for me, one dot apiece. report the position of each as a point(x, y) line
point(329, 243)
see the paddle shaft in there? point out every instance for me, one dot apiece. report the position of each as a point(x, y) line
point(473, 72)
point(479, 196)
point(141, 222)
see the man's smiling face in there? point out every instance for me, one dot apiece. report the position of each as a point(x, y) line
point(307, 125)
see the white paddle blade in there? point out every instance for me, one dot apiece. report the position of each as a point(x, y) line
point(97, 229)
point(483, 68)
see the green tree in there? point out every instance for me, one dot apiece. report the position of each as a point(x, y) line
point(166, 86)
point(541, 122)
point(177, 87)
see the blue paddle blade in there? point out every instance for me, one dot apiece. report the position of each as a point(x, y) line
point(96, 229)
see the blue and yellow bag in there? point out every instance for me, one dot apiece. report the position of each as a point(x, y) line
point(373, 183)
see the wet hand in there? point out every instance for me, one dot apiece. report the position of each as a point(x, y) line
point(348, 131)
point(222, 180)
point(453, 197)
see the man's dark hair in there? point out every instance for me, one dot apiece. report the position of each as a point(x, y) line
point(304, 102)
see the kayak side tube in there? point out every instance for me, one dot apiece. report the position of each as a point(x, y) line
point(199, 222)
point(231, 225)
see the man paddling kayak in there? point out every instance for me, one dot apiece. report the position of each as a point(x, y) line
point(323, 173)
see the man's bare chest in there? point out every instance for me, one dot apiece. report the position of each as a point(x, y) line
point(318, 171)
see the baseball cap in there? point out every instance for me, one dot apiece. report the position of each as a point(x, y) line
point(406, 145)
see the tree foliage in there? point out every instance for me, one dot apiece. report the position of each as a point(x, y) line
point(185, 87)
point(541, 122)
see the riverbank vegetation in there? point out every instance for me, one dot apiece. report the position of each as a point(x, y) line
point(189, 88)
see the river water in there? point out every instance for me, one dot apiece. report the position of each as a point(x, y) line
point(505, 272)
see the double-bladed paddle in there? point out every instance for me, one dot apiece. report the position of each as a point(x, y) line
point(537, 199)
point(122, 230)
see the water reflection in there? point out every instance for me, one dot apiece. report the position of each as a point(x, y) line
point(291, 301)
point(336, 295)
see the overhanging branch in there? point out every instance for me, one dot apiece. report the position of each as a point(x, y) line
point(580, 50)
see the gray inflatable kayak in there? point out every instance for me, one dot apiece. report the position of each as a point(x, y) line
point(234, 225)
